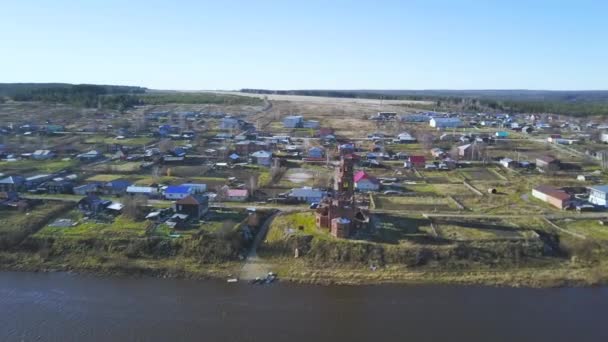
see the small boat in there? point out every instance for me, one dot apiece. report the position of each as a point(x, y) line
point(233, 280)
point(270, 278)
point(257, 280)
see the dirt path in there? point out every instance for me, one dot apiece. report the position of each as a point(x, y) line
point(254, 265)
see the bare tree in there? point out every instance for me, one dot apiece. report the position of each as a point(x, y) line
point(252, 185)
point(134, 207)
point(165, 145)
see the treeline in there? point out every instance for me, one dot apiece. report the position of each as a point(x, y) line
point(575, 103)
point(111, 97)
point(122, 102)
point(80, 95)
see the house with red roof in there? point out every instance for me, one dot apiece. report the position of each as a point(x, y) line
point(365, 182)
point(237, 195)
point(415, 161)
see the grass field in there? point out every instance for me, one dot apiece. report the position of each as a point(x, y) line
point(121, 227)
point(287, 224)
point(397, 229)
point(482, 229)
point(50, 166)
point(590, 228)
point(14, 223)
point(409, 203)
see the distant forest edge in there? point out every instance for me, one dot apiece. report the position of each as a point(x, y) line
point(110, 96)
point(576, 103)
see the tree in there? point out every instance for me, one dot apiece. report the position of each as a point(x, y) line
point(165, 145)
point(134, 207)
point(252, 185)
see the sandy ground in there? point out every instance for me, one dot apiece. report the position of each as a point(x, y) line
point(299, 176)
point(327, 100)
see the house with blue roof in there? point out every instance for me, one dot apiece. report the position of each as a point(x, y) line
point(116, 187)
point(598, 195)
point(197, 188)
point(12, 183)
point(176, 192)
point(316, 152)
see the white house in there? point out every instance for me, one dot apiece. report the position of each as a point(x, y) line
point(42, 155)
point(365, 182)
point(307, 194)
point(445, 123)
point(263, 158)
point(293, 121)
point(599, 195)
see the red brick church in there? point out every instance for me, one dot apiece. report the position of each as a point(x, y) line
point(338, 212)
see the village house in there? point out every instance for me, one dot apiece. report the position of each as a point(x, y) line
point(466, 151)
point(365, 182)
point(43, 155)
point(93, 203)
point(59, 186)
point(90, 156)
point(293, 121)
point(86, 189)
point(175, 192)
point(237, 195)
point(247, 147)
point(307, 194)
point(385, 116)
point(195, 206)
point(437, 152)
point(415, 161)
point(35, 181)
point(116, 187)
point(598, 195)
point(263, 158)
point(197, 188)
point(313, 124)
point(12, 183)
point(556, 197)
point(443, 123)
point(508, 163)
point(147, 191)
point(547, 163)
point(405, 138)
point(316, 152)
point(413, 118)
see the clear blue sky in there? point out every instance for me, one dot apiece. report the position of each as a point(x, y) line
point(312, 44)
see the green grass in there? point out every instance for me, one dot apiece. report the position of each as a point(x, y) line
point(121, 227)
point(103, 178)
point(589, 228)
point(215, 219)
point(50, 166)
point(12, 220)
point(130, 141)
point(283, 224)
point(394, 229)
point(413, 203)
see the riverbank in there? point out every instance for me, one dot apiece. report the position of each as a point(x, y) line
point(541, 275)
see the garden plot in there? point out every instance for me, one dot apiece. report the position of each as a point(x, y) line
point(414, 203)
point(480, 174)
point(468, 230)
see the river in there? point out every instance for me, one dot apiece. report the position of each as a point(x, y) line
point(66, 307)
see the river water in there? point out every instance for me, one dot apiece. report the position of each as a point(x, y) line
point(65, 307)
